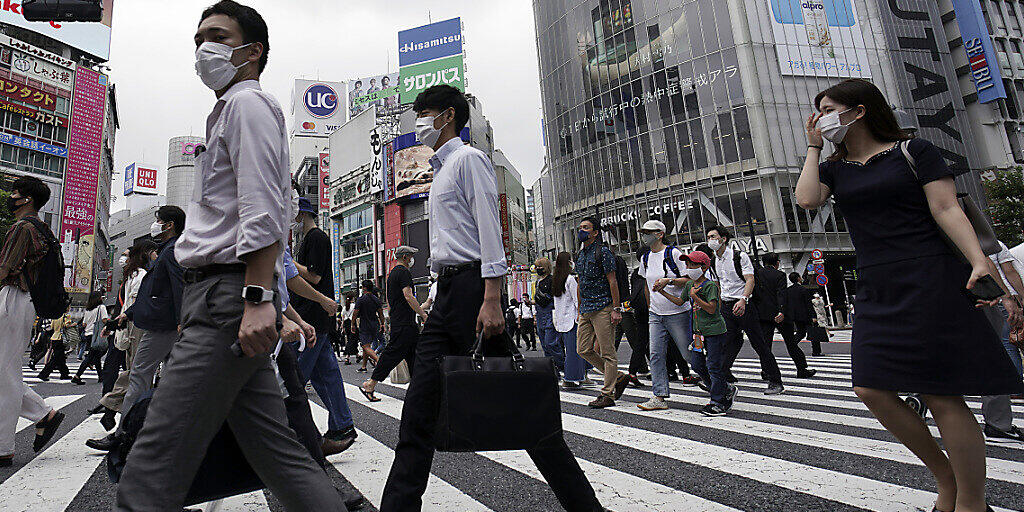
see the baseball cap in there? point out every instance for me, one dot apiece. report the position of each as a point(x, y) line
point(653, 225)
point(698, 257)
point(405, 249)
point(305, 206)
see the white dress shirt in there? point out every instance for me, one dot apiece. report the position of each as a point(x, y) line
point(566, 308)
point(1004, 256)
point(732, 285)
point(464, 224)
point(241, 197)
point(526, 312)
point(655, 269)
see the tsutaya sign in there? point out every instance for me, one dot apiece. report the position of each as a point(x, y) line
point(981, 54)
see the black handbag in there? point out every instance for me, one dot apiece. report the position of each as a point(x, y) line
point(507, 402)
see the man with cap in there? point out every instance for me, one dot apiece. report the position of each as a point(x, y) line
point(317, 363)
point(404, 331)
point(668, 322)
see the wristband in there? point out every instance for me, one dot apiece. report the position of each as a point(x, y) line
point(813, 146)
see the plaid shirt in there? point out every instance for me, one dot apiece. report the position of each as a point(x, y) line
point(23, 250)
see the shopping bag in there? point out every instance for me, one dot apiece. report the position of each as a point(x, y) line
point(400, 375)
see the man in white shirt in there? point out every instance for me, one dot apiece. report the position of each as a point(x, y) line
point(1005, 317)
point(736, 277)
point(467, 253)
point(527, 326)
point(230, 249)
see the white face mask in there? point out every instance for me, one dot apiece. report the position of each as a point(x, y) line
point(123, 260)
point(649, 239)
point(832, 128)
point(213, 64)
point(693, 273)
point(412, 262)
point(715, 244)
point(156, 229)
point(426, 134)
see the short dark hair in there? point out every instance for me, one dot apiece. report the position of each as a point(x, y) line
point(794, 277)
point(771, 259)
point(441, 98)
point(254, 29)
point(171, 213)
point(722, 231)
point(368, 285)
point(33, 188)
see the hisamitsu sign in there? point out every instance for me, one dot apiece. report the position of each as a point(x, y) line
point(429, 42)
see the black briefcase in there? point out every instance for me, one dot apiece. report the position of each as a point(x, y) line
point(507, 402)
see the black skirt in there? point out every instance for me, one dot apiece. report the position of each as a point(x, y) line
point(918, 332)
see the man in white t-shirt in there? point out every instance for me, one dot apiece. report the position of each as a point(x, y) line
point(527, 326)
point(1005, 317)
point(736, 277)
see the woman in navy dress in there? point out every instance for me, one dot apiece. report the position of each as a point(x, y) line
point(917, 330)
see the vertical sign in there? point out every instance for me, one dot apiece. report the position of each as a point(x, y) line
point(392, 230)
point(506, 238)
point(981, 55)
point(129, 179)
point(336, 263)
point(85, 140)
point(389, 175)
point(325, 174)
point(377, 166)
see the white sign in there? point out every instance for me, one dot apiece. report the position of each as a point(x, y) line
point(349, 145)
point(140, 179)
point(42, 70)
point(319, 108)
point(91, 38)
point(819, 38)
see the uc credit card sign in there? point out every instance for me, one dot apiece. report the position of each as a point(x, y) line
point(981, 54)
point(429, 42)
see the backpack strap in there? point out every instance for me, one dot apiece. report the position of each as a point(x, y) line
point(670, 262)
point(905, 148)
point(737, 264)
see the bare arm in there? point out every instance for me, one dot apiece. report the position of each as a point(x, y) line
point(811, 193)
point(950, 217)
point(258, 330)
point(678, 301)
point(413, 303)
point(301, 287)
point(1013, 277)
point(307, 274)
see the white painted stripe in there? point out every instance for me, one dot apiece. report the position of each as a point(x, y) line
point(367, 463)
point(615, 489)
point(999, 469)
point(50, 481)
point(57, 402)
point(247, 502)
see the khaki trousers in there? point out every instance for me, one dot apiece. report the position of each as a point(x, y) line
point(596, 345)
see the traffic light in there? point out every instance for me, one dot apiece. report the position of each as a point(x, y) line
point(62, 10)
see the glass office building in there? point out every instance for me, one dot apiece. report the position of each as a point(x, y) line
point(691, 112)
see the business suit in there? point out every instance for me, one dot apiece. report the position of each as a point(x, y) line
point(767, 297)
point(798, 313)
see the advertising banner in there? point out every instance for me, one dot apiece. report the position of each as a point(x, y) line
point(34, 115)
point(380, 91)
point(820, 38)
point(42, 70)
point(981, 54)
point(417, 78)
point(377, 165)
point(349, 147)
point(318, 107)
point(85, 139)
point(429, 42)
point(412, 173)
point(392, 230)
point(506, 236)
point(34, 145)
point(389, 174)
point(129, 179)
point(39, 53)
point(91, 38)
point(27, 94)
point(145, 179)
point(324, 164)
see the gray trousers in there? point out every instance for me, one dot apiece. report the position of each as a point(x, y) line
point(203, 385)
point(153, 348)
point(996, 409)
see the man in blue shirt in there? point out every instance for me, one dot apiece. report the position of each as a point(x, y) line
point(600, 311)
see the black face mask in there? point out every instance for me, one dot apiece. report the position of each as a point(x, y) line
point(12, 204)
point(541, 271)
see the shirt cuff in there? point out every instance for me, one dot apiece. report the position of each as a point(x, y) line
point(494, 269)
point(256, 233)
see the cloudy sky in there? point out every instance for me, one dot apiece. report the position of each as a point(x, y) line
point(159, 95)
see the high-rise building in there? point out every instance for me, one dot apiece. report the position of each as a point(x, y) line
point(692, 111)
point(181, 169)
point(544, 215)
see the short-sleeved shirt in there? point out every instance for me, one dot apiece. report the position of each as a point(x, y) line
point(289, 272)
point(1004, 256)
point(655, 268)
point(22, 252)
point(704, 323)
point(401, 312)
point(885, 207)
point(367, 306)
point(593, 264)
point(732, 284)
point(315, 254)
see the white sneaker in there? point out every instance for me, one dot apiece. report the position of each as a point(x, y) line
point(656, 403)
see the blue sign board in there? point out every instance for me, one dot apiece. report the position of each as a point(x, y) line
point(838, 13)
point(430, 42)
point(129, 179)
point(981, 54)
point(34, 145)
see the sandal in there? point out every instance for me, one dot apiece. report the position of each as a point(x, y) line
point(49, 427)
point(369, 395)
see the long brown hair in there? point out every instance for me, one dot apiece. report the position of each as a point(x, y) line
point(138, 257)
point(561, 274)
point(878, 115)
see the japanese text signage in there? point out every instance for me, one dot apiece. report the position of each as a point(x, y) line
point(85, 140)
point(430, 42)
point(42, 70)
point(129, 179)
point(506, 236)
point(377, 166)
point(981, 54)
point(28, 94)
point(417, 78)
point(33, 114)
point(324, 165)
point(34, 145)
point(38, 53)
point(820, 38)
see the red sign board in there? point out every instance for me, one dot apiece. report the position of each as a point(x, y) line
point(392, 231)
point(33, 114)
point(145, 180)
point(325, 176)
point(28, 94)
point(506, 236)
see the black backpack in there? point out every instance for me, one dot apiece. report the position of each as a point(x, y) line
point(668, 262)
point(49, 297)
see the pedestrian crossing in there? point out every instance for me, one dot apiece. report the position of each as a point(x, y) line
point(815, 447)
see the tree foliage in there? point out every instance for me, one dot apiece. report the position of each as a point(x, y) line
point(1006, 205)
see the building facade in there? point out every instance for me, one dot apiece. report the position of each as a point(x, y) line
point(544, 215)
point(512, 209)
point(181, 169)
point(692, 112)
point(126, 228)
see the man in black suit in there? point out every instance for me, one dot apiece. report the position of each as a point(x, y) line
point(797, 314)
point(767, 294)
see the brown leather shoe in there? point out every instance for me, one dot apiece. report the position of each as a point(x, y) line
point(621, 383)
point(602, 402)
point(332, 447)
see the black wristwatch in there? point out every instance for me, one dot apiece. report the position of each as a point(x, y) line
point(257, 294)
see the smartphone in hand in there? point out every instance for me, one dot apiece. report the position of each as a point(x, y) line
point(986, 289)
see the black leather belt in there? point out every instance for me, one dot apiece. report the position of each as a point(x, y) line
point(195, 275)
point(453, 270)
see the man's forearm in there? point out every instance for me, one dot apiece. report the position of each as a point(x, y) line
point(613, 285)
point(306, 274)
point(492, 289)
point(293, 315)
point(259, 266)
point(301, 287)
point(748, 288)
point(413, 303)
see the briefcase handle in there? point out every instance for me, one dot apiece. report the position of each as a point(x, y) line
point(518, 359)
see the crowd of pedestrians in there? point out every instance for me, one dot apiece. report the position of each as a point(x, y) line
point(215, 323)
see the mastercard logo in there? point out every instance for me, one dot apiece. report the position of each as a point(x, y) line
point(308, 125)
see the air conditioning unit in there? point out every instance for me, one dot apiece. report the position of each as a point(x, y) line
point(62, 10)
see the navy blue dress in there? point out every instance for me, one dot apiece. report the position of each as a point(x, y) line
point(916, 330)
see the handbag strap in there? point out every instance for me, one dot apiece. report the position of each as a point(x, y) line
point(518, 359)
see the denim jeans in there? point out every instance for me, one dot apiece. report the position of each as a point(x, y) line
point(1004, 336)
point(667, 329)
point(575, 366)
point(319, 365)
point(710, 366)
point(552, 346)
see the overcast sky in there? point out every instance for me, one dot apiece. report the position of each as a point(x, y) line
point(159, 95)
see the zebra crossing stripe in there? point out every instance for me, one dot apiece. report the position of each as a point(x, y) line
point(51, 480)
point(615, 489)
point(57, 402)
point(247, 502)
point(367, 463)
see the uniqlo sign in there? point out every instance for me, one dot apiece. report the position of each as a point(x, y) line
point(140, 179)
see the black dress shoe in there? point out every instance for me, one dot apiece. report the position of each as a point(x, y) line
point(104, 444)
point(354, 502)
point(96, 410)
point(49, 427)
point(7, 462)
point(108, 420)
point(78, 381)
